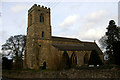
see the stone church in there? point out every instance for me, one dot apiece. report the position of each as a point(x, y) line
point(54, 52)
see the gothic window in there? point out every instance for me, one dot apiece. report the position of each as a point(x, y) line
point(41, 17)
point(73, 59)
point(86, 59)
point(65, 60)
point(30, 19)
point(42, 34)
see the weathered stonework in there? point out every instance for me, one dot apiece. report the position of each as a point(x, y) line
point(42, 47)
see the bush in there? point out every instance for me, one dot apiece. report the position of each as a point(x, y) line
point(94, 59)
point(6, 63)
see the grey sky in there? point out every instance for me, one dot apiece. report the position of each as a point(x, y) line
point(83, 20)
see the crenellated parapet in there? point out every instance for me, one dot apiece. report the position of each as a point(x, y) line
point(39, 8)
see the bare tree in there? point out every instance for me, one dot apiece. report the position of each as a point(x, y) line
point(15, 48)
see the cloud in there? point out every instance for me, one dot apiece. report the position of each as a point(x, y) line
point(66, 28)
point(70, 20)
point(19, 7)
point(92, 34)
point(93, 25)
point(94, 20)
point(88, 27)
point(96, 16)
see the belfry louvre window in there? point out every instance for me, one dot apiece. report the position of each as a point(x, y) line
point(41, 17)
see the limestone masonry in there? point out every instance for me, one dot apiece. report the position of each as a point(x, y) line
point(43, 49)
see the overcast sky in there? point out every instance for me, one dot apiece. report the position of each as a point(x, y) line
point(86, 20)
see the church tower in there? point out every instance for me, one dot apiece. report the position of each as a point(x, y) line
point(39, 22)
point(38, 30)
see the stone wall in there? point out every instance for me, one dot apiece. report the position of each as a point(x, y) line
point(39, 42)
point(37, 30)
point(63, 74)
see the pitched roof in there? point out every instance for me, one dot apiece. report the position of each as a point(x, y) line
point(87, 46)
point(54, 38)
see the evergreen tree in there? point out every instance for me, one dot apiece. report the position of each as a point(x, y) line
point(113, 35)
point(116, 50)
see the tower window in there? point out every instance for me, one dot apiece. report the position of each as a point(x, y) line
point(42, 34)
point(41, 17)
point(30, 19)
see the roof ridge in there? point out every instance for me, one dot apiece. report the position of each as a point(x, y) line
point(64, 37)
point(88, 42)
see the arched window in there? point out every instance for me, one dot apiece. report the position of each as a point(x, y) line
point(65, 60)
point(86, 59)
point(42, 34)
point(44, 65)
point(41, 17)
point(73, 59)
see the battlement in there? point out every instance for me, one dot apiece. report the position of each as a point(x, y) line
point(38, 7)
